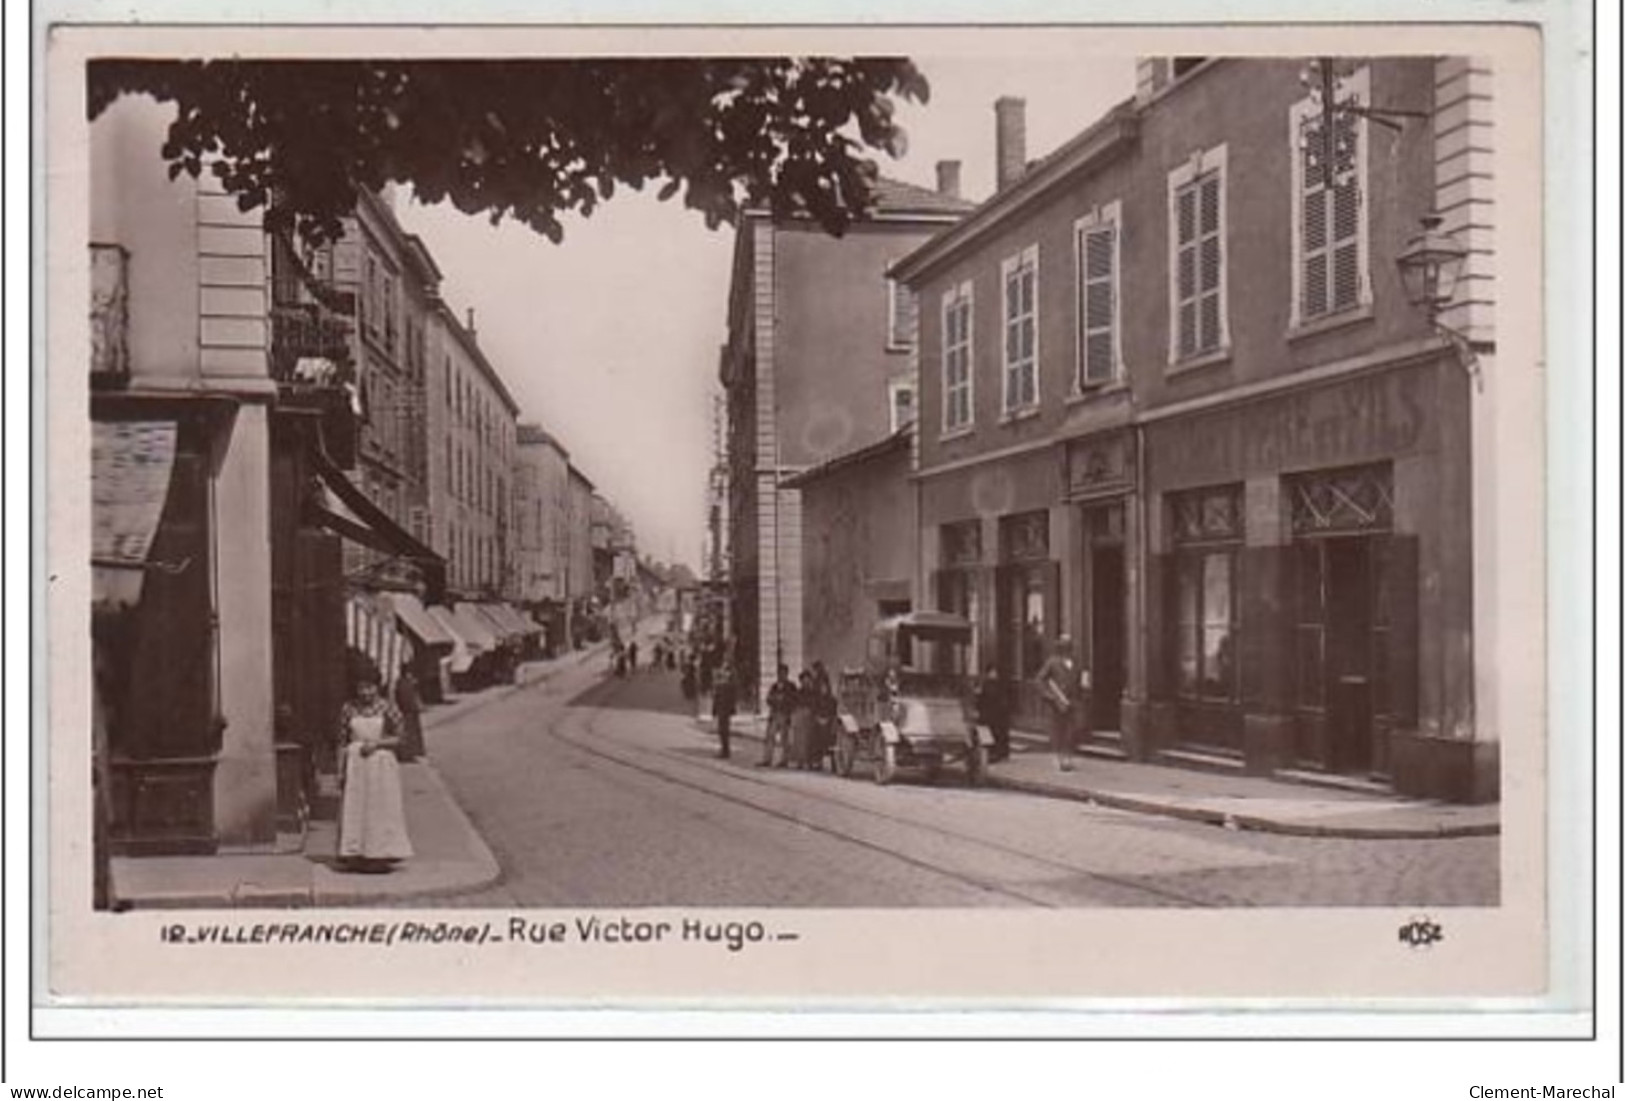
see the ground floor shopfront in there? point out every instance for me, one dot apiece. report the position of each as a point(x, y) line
point(1280, 579)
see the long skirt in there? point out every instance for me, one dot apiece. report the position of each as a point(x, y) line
point(372, 822)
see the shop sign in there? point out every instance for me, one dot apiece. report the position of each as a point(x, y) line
point(1099, 466)
point(1378, 416)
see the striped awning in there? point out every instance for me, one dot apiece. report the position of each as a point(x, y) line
point(475, 627)
point(463, 650)
point(500, 627)
point(371, 629)
point(428, 630)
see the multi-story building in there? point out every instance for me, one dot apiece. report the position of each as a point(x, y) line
point(472, 422)
point(579, 581)
point(395, 285)
point(816, 365)
point(542, 509)
point(222, 401)
point(1175, 402)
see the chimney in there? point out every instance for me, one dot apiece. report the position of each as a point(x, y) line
point(1010, 147)
point(948, 179)
point(472, 332)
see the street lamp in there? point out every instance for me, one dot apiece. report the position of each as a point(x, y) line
point(1429, 267)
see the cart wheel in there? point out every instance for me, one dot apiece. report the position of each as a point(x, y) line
point(845, 753)
point(885, 760)
point(976, 766)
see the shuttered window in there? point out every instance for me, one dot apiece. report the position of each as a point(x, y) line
point(899, 314)
point(1329, 227)
point(1330, 230)
point(1199, 265)
point(956, 359)
point(1021, 331)
point(1098, 297)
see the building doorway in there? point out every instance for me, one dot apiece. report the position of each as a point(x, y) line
point(1106, 615)
point(1346, 595)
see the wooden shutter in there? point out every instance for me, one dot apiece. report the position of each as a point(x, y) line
point(1098, 303)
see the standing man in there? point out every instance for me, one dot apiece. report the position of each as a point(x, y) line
point(993, 710)
point(1061, 686)
point(781, 701)
point(722, 706)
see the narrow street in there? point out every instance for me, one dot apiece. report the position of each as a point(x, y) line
point(596, 791)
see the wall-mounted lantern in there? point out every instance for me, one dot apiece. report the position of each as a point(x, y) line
point(1429, 267)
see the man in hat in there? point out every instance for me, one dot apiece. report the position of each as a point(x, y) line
point(1061, 685)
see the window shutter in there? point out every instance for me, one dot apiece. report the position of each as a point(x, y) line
point(1099, 304)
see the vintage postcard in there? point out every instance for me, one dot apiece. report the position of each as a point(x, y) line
point(811, 517)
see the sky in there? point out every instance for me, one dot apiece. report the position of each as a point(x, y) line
point(610, 340)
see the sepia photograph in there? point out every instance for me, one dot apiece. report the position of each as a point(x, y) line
point(923, 514)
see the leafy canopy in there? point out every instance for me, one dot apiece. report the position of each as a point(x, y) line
point(528, 139)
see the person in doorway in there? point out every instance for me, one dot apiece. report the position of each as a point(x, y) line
point(372, 819)
point(993, 711)
point(723, 702)
point(409, 702)
point(1061, 687)
point(781, 701)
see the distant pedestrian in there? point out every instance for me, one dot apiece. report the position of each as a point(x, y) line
point(723, 702)
point(993, 711)
point(632, 656)
point(690, 688)
point(1061, 687)
point(409, 702)
point(372, 820)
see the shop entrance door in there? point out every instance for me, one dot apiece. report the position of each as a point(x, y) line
point(1350, 672)
point(1107, 640)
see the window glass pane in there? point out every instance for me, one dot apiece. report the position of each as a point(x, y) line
point(1187, 328)
point(1186, 204)
point(1216, 590)
point(1218, 662)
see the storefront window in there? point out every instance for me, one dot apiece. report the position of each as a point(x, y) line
point(1207, 532)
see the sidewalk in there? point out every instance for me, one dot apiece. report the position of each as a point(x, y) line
point(1220, 799)
point(450, 856)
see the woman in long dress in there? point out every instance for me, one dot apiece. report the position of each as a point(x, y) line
point(372, 823)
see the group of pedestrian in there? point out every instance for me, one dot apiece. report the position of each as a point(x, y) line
point(800, 719)
point(1062, 685)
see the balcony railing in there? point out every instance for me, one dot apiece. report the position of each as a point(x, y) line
point(309, 344)
point(109, 315)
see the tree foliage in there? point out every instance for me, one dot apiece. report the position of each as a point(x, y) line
point(528, 139)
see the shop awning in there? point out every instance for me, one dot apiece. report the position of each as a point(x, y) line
point(463, 651)
point(130, 465)
point(419, 623)
point(527, 621)
point(518, 622)
point(499, 627)
point(364, 522)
